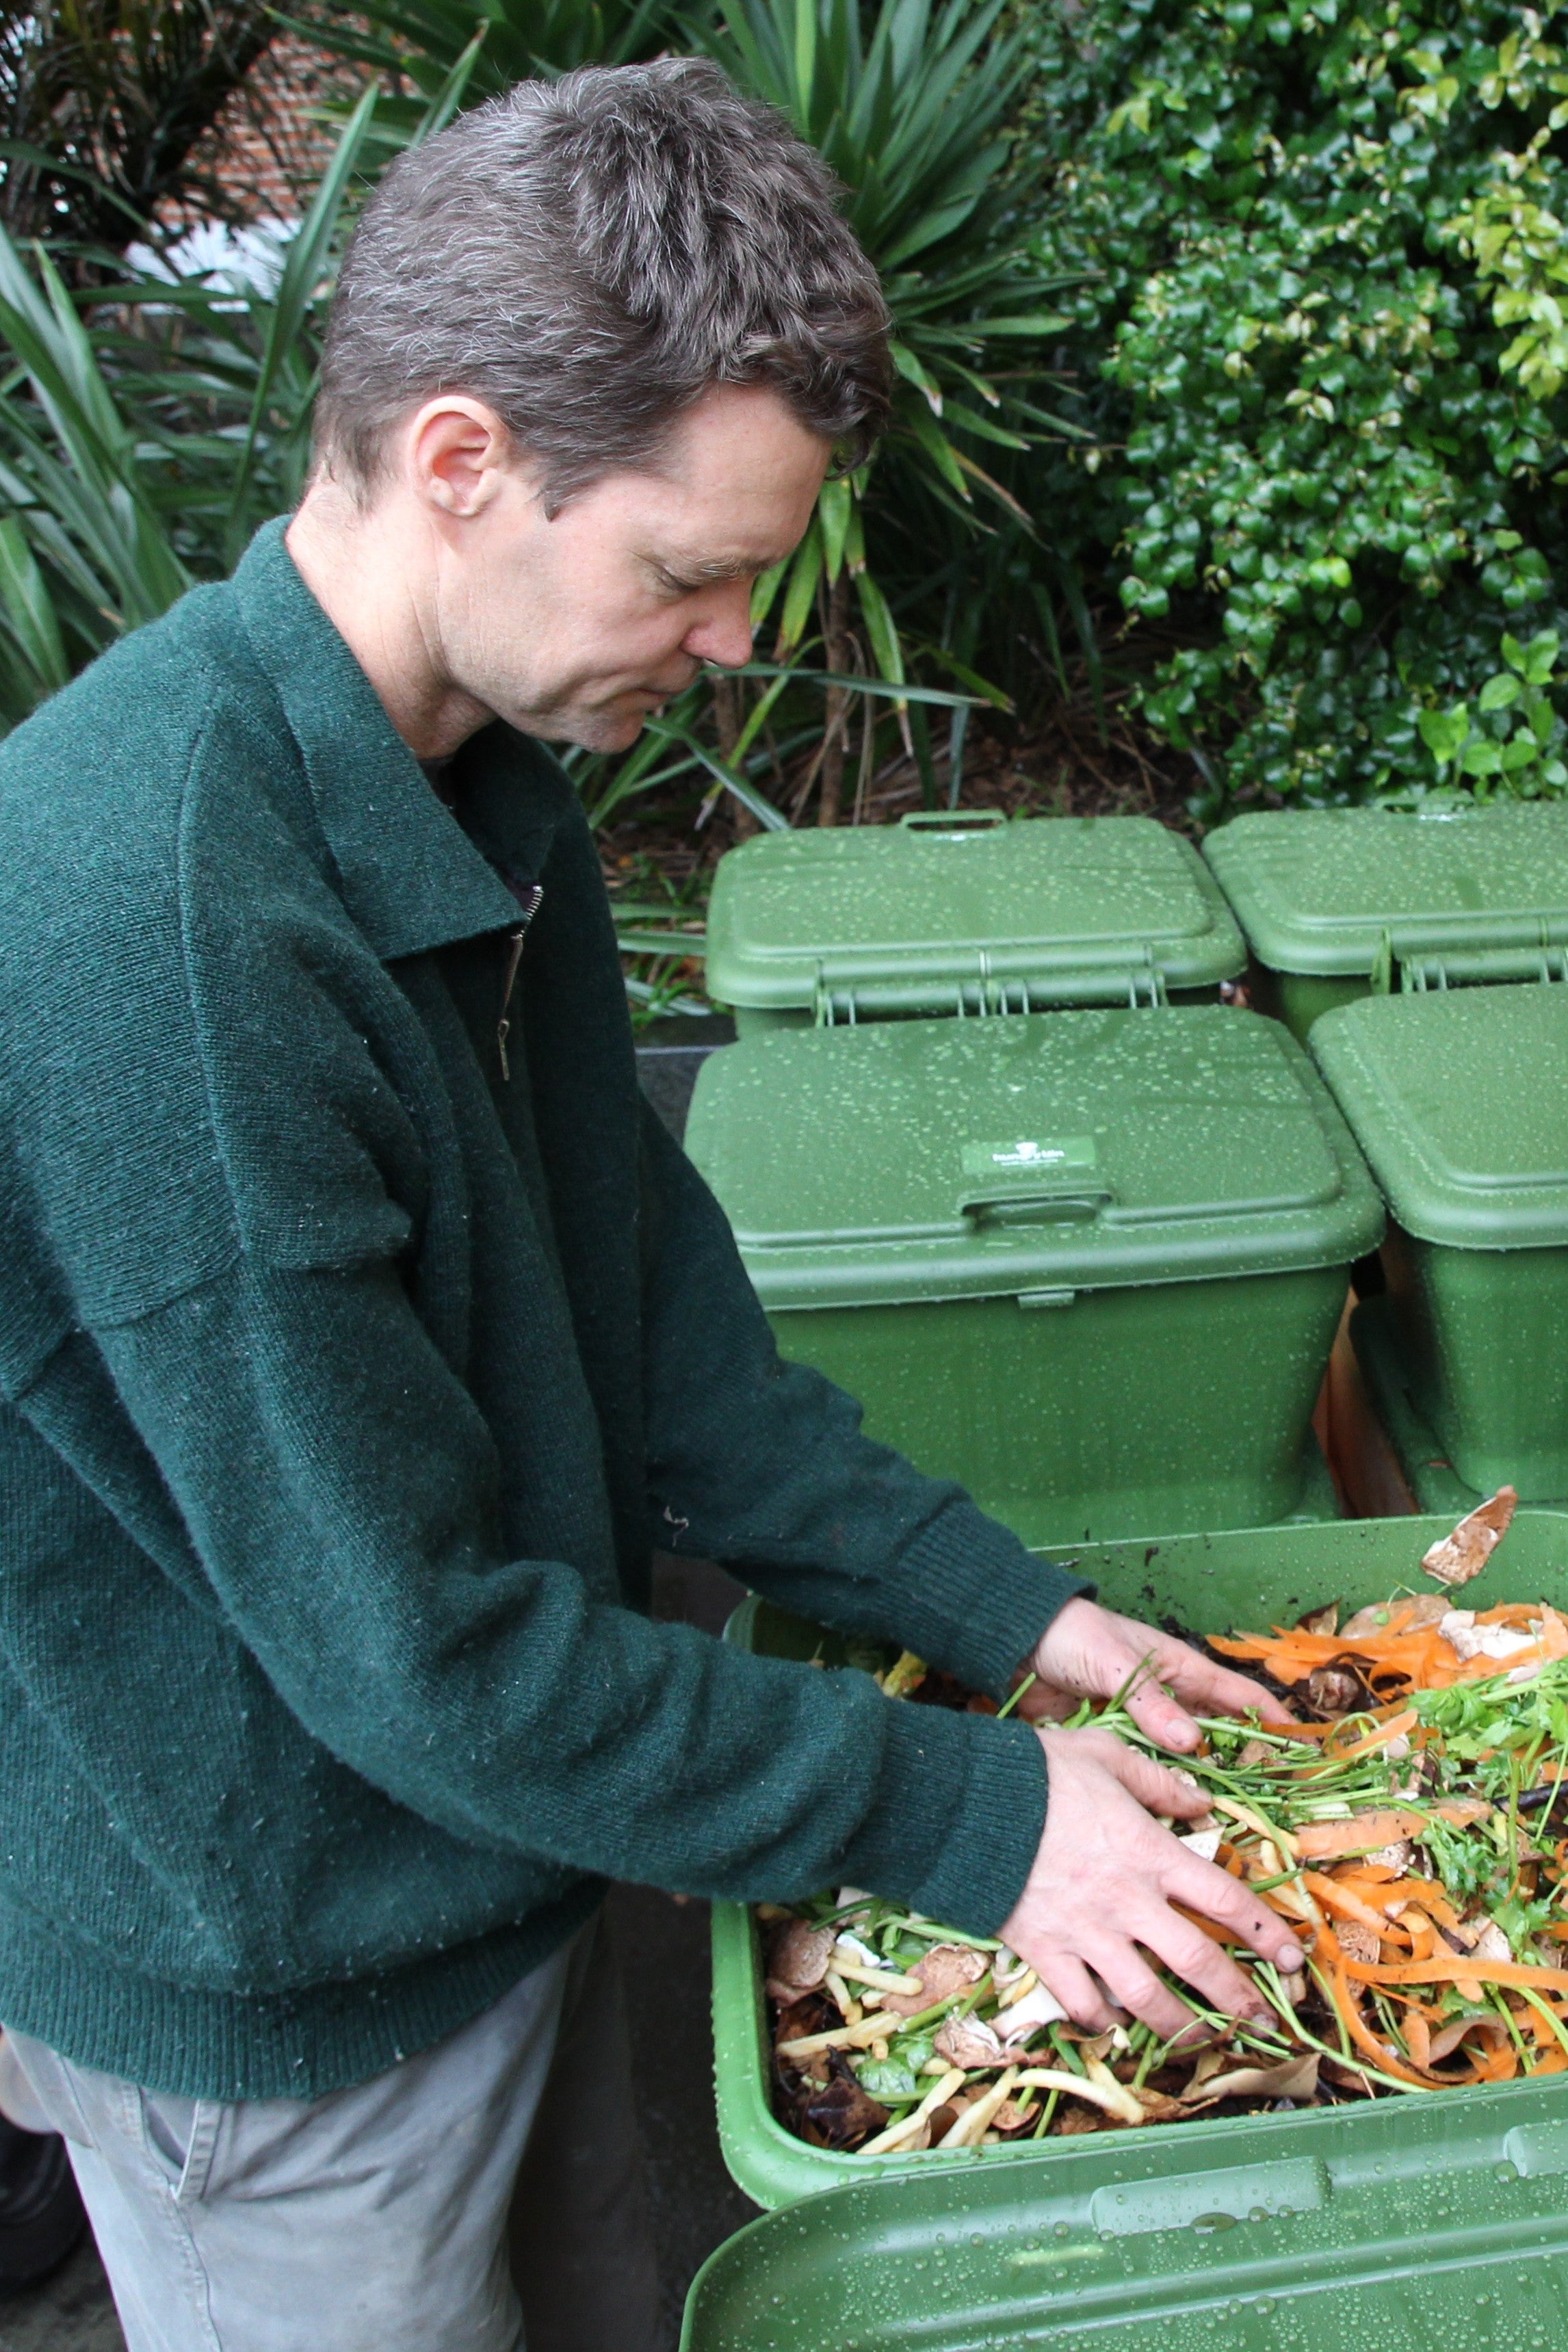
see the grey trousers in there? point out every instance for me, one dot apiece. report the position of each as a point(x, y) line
point(483, 2195)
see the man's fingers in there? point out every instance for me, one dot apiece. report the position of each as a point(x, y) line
point(1214, 1689)
point(1069, 1980)
point(1154, 1711)
point(1155, 1786)
point(1199, 1961)
point(1128, 1975)
point(1231, 1904)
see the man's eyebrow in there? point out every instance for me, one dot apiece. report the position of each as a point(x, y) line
point(709, 571)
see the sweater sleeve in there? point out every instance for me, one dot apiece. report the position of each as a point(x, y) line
point(338, 1488)
point(762, 1464)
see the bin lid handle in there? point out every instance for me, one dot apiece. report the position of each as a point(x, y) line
point(949, 821)
point(1040, 1208)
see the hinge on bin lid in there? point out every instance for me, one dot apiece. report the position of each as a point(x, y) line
point(1546, 962)
point(830, 1007)
point(1152, 977)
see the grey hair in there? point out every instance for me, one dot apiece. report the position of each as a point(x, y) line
point(587, 257)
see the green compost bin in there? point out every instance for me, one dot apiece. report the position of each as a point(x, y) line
point(965, 913)
point(1337, 903)
point(1089, 1264)
point(1460, 1102)
point(1447, 2153)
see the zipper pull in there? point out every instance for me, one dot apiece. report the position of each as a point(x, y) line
point(528, 899)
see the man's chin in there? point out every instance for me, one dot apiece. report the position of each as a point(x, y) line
point(591, 730)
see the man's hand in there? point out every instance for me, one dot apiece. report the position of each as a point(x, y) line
point(1106, 1875)
point(1103, 1882)
point(1085, 1651)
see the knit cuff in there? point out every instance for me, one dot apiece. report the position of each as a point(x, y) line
point(958, 1817)
point(973, 1600)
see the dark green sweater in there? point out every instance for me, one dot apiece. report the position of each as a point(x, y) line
point(348, 1370)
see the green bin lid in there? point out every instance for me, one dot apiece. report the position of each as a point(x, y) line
point(1458, 1099)
point(1079, 1150)
point(902, 917)
point(1408, 2225)
point(1343, 891)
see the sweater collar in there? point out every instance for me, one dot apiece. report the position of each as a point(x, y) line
point(409, 875)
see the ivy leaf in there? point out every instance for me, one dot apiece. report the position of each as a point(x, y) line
point(1539, 655)
point(1443, 732)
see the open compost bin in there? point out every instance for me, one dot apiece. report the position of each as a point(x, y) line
point(965, 913)
point(1088, 1263)
point(1459, 1100)
point(1340, 903)
point(1400, 2223)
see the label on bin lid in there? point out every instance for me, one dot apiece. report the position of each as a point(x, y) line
point(904, 916)
point(1027, 1158)
point(1457, 1099)
point(1335, 890)
point(926, 1160)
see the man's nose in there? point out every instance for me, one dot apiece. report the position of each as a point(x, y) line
point(723, 635)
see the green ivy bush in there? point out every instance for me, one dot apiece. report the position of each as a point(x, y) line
point(1324, 351)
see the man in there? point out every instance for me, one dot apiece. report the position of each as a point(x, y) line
point(361, 1332)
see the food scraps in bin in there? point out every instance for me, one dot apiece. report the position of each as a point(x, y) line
point(1416, 1839)
point(1466, 1552)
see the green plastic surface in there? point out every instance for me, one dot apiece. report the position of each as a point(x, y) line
point(1132, 2202)
point(1459, 1103)
point(1390, 2229)
point(1105, 1413)
point(965, 913)
point(912, 1161)
point(1479, 1335)
point(1482, 890)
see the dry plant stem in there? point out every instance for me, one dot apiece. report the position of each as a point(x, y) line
point(727, 719)
point(835, 648)
point(867, 745)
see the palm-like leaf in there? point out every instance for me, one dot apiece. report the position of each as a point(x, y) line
point(908, 104)
point(422, 42)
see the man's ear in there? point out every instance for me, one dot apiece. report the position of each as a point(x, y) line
point(458, 453)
